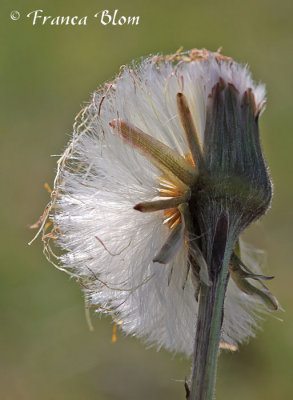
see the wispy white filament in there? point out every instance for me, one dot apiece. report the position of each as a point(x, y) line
point(109, 244)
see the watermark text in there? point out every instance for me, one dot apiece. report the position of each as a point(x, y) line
point(103, 17)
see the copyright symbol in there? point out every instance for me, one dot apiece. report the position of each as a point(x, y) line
point(15, 15)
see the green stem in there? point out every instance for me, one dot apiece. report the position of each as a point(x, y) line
point(210, 316)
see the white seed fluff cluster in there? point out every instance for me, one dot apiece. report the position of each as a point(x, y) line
point(106, 242)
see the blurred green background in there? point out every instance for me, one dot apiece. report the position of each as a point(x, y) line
point(47, 73)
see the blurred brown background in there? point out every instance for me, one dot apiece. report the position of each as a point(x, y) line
point(47, 73)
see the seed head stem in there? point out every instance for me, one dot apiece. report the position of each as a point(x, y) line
point(210, 316)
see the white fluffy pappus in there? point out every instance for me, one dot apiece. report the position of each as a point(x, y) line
point(110, 246)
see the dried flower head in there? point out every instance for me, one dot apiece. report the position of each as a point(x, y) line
point(164, 166)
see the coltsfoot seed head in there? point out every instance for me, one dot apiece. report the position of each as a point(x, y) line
point(156, 157)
